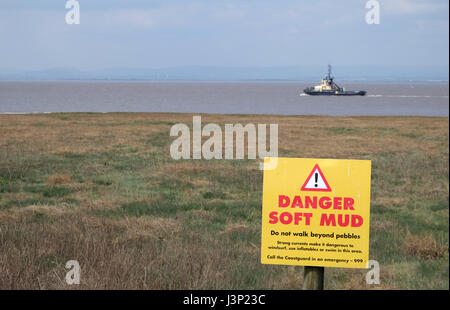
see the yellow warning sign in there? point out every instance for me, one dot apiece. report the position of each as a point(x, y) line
point(316, 213)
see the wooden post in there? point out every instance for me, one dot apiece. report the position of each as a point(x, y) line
point(313, 278)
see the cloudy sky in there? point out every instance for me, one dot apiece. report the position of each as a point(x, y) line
point(157, 33)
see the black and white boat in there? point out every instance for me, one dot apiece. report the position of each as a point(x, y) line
point(329, 88)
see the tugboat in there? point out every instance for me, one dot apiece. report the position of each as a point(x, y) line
point(329, 88)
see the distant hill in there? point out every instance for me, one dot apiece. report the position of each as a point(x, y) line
point(208, 73)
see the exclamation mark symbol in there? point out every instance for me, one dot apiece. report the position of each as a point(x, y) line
point(316, 177)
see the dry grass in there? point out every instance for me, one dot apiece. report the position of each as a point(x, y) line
point(59, 179)
point(425, 247)
point(102, 189)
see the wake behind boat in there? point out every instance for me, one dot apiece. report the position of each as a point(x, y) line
point(329, 88)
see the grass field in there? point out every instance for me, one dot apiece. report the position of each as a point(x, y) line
point(103, 189)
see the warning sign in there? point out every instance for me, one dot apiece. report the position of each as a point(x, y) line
point(316, 213)
point(316, 181)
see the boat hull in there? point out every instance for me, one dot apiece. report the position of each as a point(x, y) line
point(335, 93)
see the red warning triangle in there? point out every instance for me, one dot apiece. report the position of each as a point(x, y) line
point(316, 181)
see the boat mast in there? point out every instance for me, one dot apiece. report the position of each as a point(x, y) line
point(330, 79)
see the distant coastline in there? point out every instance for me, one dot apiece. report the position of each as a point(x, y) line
point(430, 74)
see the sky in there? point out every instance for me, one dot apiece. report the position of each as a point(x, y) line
point(229, 33)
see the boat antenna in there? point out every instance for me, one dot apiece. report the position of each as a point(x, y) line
point(329, 72)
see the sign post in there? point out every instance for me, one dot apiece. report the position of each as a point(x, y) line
point(316, 214)
point(313, 278)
